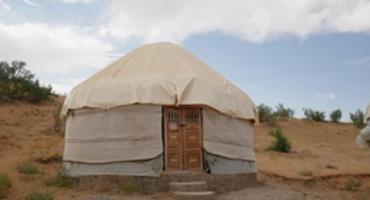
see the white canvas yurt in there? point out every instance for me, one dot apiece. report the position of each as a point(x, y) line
point(158, 108)
point(363, 139)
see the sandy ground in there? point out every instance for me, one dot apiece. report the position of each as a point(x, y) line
point(327, 151)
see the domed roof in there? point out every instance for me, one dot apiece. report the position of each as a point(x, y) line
point(162, 74)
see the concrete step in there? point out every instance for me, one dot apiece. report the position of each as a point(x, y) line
point(194, 186)
point(205, 195)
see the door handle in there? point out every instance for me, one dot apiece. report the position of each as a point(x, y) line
point(182, 125)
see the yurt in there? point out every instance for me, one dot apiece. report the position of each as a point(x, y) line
point(363, 139)
point(159, 108)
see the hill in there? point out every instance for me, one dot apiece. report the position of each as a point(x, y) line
point(324, 156)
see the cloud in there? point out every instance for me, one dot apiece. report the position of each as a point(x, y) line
point(4, 5)
point(250, 20)
point(56, 54)
point(31, 3)
point(78, 1)
point(328, 96)
point(359, 61)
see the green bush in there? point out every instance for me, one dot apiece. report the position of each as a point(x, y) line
point(314, 115)
point(352, 184)
point(336, 115)
point(18, 83)
point(266, 115)
point(29, 169)
point(5, 185)
point(306, 173)
point(61, 181)
point(39, 196)
point(281, 143)
point(282, 112)
point(357, 118)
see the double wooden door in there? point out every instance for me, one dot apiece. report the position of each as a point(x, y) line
point(183, 138)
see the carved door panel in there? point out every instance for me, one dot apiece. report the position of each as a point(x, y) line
point(183, 138)
point(191, 131)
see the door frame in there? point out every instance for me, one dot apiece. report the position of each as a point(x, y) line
point(164, 136)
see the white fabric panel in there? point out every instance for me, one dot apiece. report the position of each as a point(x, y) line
point(222, 165)
point(226, 136)
point(152, 167)
point(162, 74)
point(363, 139)
point(119, 134)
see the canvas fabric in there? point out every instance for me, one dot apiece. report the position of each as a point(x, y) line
point(151, 167)
point(161, 74)
point(228, 137)
point(122, 134)
point(222, 165)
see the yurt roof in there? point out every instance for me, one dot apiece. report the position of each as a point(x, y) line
point(162, 74)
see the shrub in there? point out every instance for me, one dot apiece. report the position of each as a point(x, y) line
point(336, 115)
point(29, 169)
point(61, 181)
point(306, 173)
point(357, 118)
point(281, 143)
point(39, 196)
point(352, 184)
point(314, 115)
point(266, 115)
point(18, 83)
point(5, 184)
point(282, 112)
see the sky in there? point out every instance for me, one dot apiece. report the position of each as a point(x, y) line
point(303, 53)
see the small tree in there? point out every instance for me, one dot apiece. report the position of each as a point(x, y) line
point(357, 118)
point(281, 143)
point(314, 115)
point(18, 83)
point(282, 112)
point(336, 115)
point(265, 114)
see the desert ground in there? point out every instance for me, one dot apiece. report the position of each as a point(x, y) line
point(325, 162)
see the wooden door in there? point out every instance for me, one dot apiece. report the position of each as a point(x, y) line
point(183, 138)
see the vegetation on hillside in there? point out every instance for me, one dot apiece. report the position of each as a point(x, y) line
point(5, 185)
point(281, 143)
point(314, 115)
point(18, 83)
point(268, 115)
point(35, 195)
point(357, 118)
point(29, 169)
point(336, 115)
point(283, 112)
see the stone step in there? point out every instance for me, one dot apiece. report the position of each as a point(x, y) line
point(194, 186)
point(205, 195)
